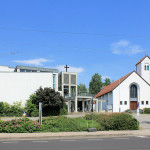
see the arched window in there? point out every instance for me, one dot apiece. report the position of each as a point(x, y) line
point(133, 91)
point(147, 67)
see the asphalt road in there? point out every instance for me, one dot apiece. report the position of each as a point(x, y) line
point(113, 143)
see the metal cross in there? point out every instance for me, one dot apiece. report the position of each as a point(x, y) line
point(66, 67)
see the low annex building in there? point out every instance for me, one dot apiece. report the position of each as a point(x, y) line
point(130, 91)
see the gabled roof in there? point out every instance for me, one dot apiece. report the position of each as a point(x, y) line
point(142, 60)
point(112, 86)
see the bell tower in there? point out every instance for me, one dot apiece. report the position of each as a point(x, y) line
point(143, 68)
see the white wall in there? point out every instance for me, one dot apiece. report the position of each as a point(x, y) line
point(138, 69)
point(145, 74)
point(18, 86)
point(144, 93)
point(6, 69)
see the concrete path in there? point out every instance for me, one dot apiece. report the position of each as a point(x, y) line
point(51, 135)
point(144, 120)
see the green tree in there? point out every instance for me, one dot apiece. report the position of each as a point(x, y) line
point(30, 108)
point(6, 109)
point(16, 109)
point(82, 88)
point(107, 82)
point(95, 84)
point(52, 102)
point(1, 108)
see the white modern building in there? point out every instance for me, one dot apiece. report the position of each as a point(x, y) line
point(130, 91)
point(17, 84)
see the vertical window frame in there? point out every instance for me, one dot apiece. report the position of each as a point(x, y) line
point(54, 81)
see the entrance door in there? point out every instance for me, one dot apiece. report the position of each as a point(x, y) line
point(133, 105)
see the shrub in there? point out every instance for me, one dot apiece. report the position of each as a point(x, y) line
point(64, 124)
point(30, 108)
point(52, 101)
point(118, 121)
point(146, 110)
point(64, 110)
point(23, 125)
point(11, 110)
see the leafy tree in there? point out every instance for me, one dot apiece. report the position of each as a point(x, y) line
point(16, 109)
point(1, 107)
point(6, 109)
point(107, 82)
point(52, 102)
point(82, 88)
point(95, 84)
point(30, 108)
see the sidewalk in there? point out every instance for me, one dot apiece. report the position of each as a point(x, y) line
point(50, 135)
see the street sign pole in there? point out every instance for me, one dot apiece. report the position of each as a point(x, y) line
point(137, 113)
point(92, 129)
point(40, 113)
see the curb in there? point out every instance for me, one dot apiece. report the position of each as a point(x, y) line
point(69, 135)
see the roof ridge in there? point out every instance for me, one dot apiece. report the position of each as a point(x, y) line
point(113, 85)
point(142, 59)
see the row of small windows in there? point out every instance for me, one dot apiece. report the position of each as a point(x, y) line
point(142, 102)
point(121, 102)
point(146, 67)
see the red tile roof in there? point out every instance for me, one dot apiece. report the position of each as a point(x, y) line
point(112, 86)
point(142, 60)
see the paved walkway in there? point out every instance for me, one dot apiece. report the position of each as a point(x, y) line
point(51, 135)
point(144, 120)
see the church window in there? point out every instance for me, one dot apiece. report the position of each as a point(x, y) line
point(120, 102)
point(142, 102)
point(133, 91)
point(146, 102)
point(147, 67)
point(125, 102)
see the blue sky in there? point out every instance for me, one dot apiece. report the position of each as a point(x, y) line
point(91, 36)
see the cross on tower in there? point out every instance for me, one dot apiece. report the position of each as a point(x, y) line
point(66, 67)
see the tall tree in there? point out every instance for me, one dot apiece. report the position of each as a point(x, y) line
point(107, 82)
point(95, 84)
point(52, 102)
point(82, 88)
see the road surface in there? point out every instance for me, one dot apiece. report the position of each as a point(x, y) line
point(111, 143)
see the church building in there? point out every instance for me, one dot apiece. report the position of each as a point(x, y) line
point(129, 92)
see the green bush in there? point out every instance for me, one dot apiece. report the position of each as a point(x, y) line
point(11, 110)
point(118, 121)
point(146, 110)
point(30, 108)
point(63, 124)
point(23, 125)
point(64, 110)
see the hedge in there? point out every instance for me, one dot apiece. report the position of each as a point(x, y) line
point(64, 124)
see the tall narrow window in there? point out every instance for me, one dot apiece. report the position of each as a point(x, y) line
point(133, 91)
point(147, 67)
point(54, 81)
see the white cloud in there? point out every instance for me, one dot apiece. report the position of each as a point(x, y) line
point(70, 69)
point(125, 47)
point(104, 77)
point(38, 61)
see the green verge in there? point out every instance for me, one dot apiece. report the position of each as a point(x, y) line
point(63, 124)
